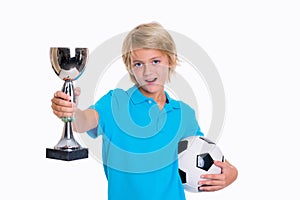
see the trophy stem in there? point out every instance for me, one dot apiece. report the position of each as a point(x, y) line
point(67, 140)
point(68, 88)
point(68, 132)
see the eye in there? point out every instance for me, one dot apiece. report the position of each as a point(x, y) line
point(138, 65)
point(155, 62)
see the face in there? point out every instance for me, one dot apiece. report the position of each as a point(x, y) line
point(150, 68)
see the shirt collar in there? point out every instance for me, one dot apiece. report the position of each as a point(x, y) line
point(137, 97)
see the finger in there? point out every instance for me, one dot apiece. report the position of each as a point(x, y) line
point(223, 165)
point(213, 176)
point(62, 111)
point(220, 164)
point(212, 182)
point(61, 95)
point(63, 108)
point(209, 188)
point(62, 114)
point(61, 102)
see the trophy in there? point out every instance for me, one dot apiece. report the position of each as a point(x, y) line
point(68, 69)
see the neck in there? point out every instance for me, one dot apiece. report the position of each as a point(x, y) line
point(159, 97)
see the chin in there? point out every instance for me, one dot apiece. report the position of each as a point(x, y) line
point(152, 88)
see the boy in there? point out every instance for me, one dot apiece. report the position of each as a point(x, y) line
point(142, 126)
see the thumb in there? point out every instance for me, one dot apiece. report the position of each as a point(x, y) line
point(77, 92)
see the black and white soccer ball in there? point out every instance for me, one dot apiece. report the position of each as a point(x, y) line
point(196, 156)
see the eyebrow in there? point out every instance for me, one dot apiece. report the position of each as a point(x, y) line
point(153, 58)
point(136, 61)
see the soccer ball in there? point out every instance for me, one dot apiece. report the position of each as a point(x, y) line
point(195, 157)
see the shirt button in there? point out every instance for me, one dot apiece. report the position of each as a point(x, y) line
point(149, 101)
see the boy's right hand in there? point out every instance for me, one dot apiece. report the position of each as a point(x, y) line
point(61, 104)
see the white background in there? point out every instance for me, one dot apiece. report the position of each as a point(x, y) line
point(255, 46)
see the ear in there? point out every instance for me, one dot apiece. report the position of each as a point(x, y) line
point(171, 67)
point(172, 61)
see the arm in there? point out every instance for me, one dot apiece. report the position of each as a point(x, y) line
point(216, 182)
point(84, 119)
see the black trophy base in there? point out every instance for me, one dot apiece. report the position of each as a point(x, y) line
point(67, 155)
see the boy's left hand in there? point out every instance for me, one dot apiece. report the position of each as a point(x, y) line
point(216, 182)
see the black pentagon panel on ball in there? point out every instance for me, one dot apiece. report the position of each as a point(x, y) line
point(182, 175)
point(182, 145)
point(204, 161)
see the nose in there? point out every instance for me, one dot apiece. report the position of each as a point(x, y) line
point(147, 69)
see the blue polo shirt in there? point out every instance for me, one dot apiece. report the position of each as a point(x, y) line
point(139, 149)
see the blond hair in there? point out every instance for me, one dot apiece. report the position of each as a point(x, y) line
point(149, 36)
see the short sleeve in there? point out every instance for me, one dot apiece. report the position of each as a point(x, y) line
point(192, 127)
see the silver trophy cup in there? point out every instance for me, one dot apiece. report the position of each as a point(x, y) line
point(68, 69)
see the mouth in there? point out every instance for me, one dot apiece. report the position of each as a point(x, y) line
point(152, 80)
